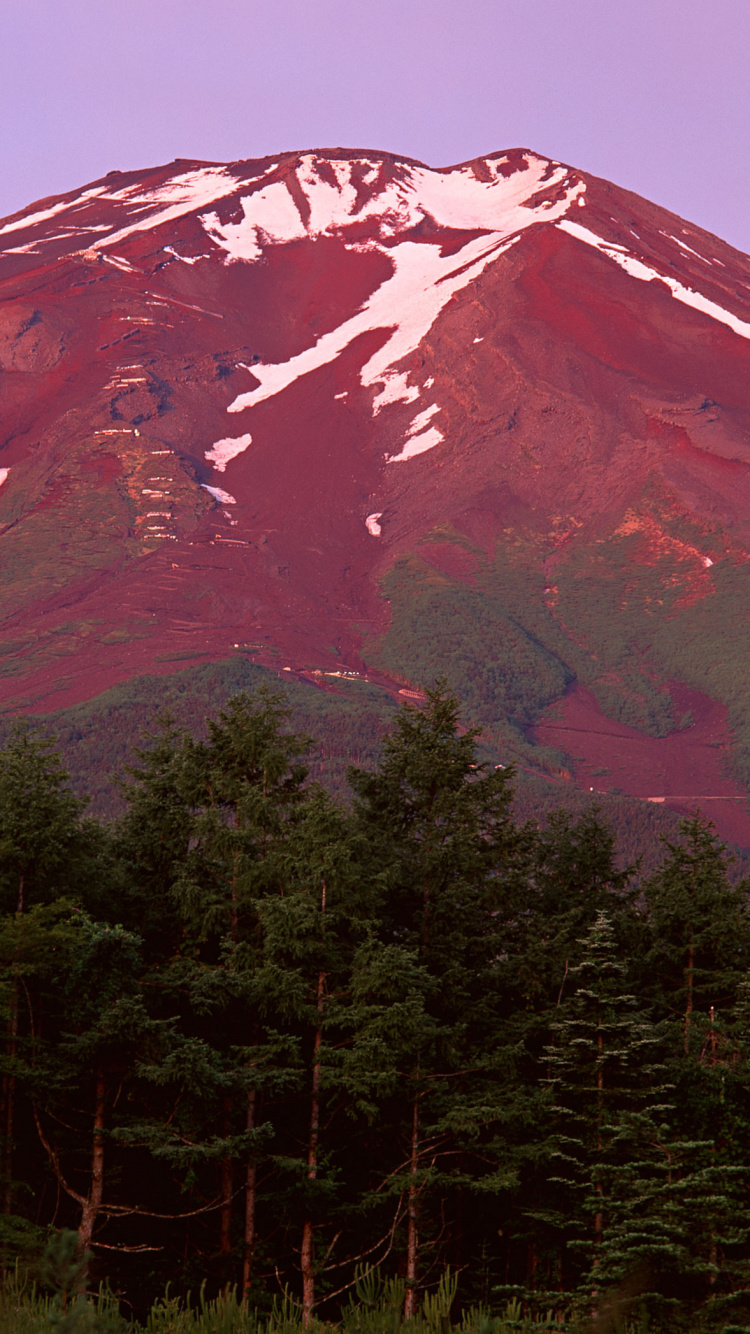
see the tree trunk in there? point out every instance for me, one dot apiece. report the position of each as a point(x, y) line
point(689, 997)
point(532, 1264)
point(93, 1202)
point(9, 1101)
point(227, 1183)
point(307, 1249)
point(9, 1081)
point(599, 1216)
point(412, 1235)
point(307, 1254)
point(307, 1260)
point(250, 1186)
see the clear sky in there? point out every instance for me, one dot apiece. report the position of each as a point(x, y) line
point(653, 94)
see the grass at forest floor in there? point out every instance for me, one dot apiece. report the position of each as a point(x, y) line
point(24, 1310)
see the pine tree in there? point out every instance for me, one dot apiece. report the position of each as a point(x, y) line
point(216, 846)
point(574, 877)
point(46, 848)
point(88, 1023)
point(310, 932)
point(40, 821)
point(700, 931)
point(695, 971)
point(613, 1164)
point(449, 867)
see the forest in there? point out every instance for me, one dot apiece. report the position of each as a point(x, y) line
point(380, 1056)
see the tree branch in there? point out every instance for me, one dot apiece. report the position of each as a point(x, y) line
point(354, 1258)
point(53, 1156)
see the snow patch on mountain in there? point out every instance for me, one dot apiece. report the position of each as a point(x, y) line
point(186, 259)
point(394, 388)
point(417, 444)
point(222, 496)
point(119, 263)
point(334, 201)
point(407, 303)
point(143, 209)
point(192, 188)
point(418, 439)
point(268, 216)
point(681, 244)
point(422, 418)
point(182, 194)
point(637, 269)
point(423, 278)
point(223, 451)
point(372, 525)
point(44, 215)
point(4, 475)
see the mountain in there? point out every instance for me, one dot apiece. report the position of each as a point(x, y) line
point(342, 413)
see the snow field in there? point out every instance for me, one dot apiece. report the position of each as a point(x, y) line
point(419, 440)
point(637, 269)
point(407, 303)
point(423, 279)
point(456, 199)
point(34, 219)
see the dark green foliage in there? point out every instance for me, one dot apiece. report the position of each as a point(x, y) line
point(613, 1165)
point(259, 1038)
point(98, 738)
point(699, 955)
point(40, 820)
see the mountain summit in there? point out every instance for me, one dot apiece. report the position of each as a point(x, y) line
point(347, 413)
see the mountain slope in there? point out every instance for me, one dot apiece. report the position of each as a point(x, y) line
point(340, 411)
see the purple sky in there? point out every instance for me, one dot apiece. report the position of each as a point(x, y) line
point(653, 94)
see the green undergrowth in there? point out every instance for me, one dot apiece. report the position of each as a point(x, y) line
point(567, 609)
point(375, 1307)
point(75, 532)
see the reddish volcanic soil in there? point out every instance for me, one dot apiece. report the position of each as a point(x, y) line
point(232, 396)
point(684, 771)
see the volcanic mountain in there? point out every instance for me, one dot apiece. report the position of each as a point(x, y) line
point(344, 413)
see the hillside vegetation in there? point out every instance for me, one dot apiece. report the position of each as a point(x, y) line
point(97, 740)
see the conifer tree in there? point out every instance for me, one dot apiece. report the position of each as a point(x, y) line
point(234, 800)
point(309, 935)
point(40, 821)
point(45, 849)
point(574, 877)
point(154, 835)
point(449, 865)
point(700, 931)
point(632, 1200)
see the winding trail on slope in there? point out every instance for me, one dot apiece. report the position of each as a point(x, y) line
point(680, 770)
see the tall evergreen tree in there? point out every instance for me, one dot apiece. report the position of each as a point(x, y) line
point(233, 801)
point(449, 865)
point(700, 931)
point(40, 820)
point(47, 850)
point(634, 1203)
